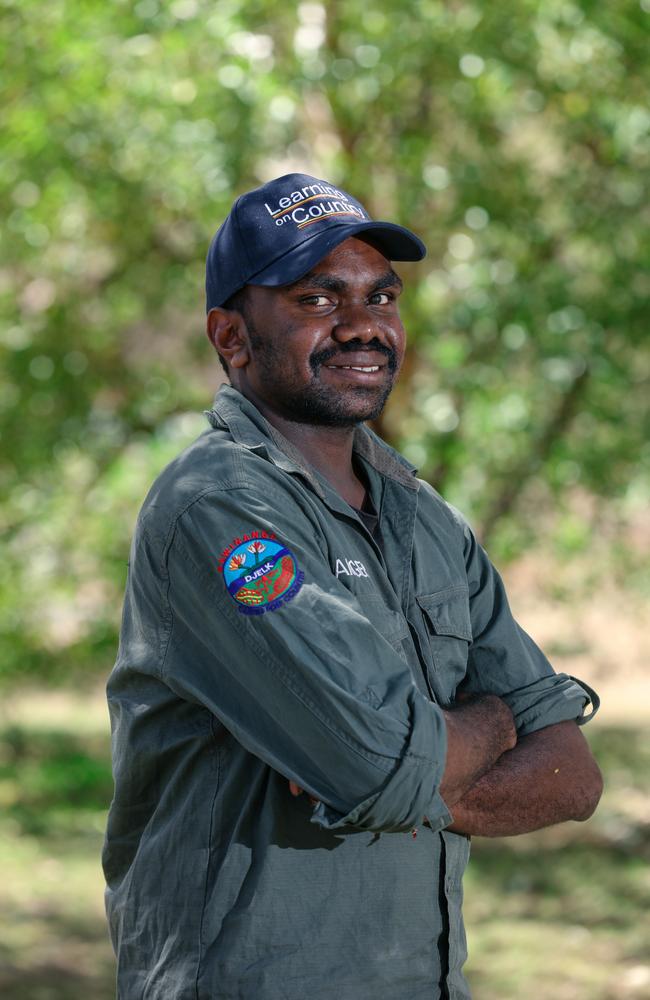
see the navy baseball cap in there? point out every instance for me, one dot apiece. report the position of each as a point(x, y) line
point(276, 233)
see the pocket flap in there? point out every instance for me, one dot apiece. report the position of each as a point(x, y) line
point(448, 612)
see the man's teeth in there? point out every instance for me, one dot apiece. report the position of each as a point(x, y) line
point(357, 368)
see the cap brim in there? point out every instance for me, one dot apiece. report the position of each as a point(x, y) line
point(395, 242)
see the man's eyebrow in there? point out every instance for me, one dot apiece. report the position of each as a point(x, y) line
point(325, 281)
point(331, 284)
point(388, 280)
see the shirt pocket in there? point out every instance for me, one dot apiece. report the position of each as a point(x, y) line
point(448, 630)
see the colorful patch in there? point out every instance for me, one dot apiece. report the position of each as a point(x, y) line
point(260, 573)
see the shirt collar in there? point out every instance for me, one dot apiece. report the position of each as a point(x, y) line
point(250, 429)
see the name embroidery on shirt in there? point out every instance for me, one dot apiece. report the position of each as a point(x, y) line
point(260, 573)
point(350, 567)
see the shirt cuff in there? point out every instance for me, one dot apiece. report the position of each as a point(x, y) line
point(410, 792)
point(391, 810)
point(549, 700)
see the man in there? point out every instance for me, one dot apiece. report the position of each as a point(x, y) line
point(320, 692)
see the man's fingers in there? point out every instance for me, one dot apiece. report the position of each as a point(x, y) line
point(296, 790)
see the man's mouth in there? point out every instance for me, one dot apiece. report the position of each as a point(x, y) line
point(364, 360)
point(357, 368)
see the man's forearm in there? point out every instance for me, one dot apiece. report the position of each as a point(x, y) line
point(549, 777)
point(479, 730)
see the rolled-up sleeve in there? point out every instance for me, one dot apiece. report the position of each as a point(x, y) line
point(311, 687)
point(504, 660)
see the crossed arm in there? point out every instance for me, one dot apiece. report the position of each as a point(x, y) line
point(496, 785)
point(538, 780)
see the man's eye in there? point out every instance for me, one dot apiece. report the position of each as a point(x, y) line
point(381, 298)
point(315, 300)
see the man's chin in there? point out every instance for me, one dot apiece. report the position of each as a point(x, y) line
point(340, 415)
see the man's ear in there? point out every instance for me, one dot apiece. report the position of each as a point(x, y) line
point(227, 332)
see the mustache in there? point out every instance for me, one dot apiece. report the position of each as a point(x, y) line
point(319, 358)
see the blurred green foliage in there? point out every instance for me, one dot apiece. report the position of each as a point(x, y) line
point(514, 138)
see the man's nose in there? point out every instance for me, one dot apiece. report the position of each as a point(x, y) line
point(356, 322)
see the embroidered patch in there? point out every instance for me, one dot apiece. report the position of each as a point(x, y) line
point(261, 574)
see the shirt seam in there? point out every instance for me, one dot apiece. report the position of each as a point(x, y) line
point(199, 964)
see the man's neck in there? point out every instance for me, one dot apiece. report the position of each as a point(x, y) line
point(327, 449)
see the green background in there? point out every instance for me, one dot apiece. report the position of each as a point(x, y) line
point(515, 139)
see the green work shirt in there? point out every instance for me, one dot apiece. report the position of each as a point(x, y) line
point(267, 635)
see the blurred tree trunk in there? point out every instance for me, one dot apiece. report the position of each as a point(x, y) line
point(504, 503)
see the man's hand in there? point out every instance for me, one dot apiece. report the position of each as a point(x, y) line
point(296, 790)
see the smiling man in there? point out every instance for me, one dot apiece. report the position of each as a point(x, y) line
point(320, 691)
